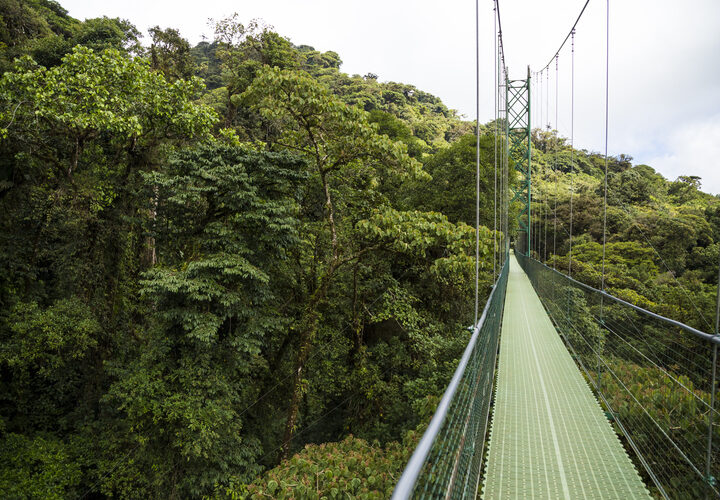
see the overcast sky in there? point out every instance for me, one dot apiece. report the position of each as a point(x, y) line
point(664, 60)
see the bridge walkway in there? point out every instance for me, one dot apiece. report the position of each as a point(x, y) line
point(549, 438)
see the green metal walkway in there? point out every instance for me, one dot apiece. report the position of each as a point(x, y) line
point(549, 437)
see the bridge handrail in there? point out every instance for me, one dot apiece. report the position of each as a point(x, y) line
point(406, 485)
point(715, 339)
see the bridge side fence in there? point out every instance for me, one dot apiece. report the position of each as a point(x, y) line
point(655, 377)
point(447, 461)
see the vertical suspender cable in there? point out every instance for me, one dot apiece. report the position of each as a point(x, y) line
point(532, 84)
point(531, 92)
point(497, 163)
point(529, 247)
point(535, 83)
point(498, 147)
point(547, 117)
point(495, 196)
point(540, 83)
point(598, 375)
point(607, 96)
point(498, 158)
point(545, 245)
point(538, 223)
point(503, 159)
point(539, 195)
point(547, 98)
point(503, 149)
point(542, 94)
point(500, 150)
point(572, 142)
point(477, 160)
point(555, 163)
point(507, 125)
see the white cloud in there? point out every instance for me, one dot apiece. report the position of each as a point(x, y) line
point(692, 149)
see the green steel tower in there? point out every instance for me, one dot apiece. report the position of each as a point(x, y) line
point(517, 123)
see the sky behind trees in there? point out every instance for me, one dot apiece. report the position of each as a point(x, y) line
point(664, 86)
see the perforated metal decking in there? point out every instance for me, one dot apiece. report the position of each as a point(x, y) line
point(549, 436)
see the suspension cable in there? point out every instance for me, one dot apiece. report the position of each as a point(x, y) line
point(499, 31)
point(477, 161)
point(570, 34)
point(572, 146)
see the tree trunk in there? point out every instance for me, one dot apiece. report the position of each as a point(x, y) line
point(311, 315)
point(308, 329)
point(305, 347)
point(150, 258)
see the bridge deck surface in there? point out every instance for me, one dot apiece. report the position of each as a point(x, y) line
point(549, 437)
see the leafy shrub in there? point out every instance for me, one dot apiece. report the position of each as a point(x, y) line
point(351, 468)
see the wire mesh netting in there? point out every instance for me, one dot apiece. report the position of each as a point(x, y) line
point(447, 462)
point(654, 376)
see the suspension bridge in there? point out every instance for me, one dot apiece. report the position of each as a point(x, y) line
point(565, 391)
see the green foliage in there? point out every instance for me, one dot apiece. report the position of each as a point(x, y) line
point(32, 19)
point(397, 130)
point(420, 233)
point(213, 306)
point(628, 264)
point(351, 468)
point(77, 135)
point(46, 340)
point(319, 60)
point(207, 64)
point(90, 94)
point(170, 54)
point(308, 118)
point(239, 52)
point(427, 117)
point(452, 188)
point(37, 467)
point(685, 188)
point(652, 392)
point(43, 30)
point(584, 330)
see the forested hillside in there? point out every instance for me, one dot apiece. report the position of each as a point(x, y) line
point(233, 268)
point(663, 237)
